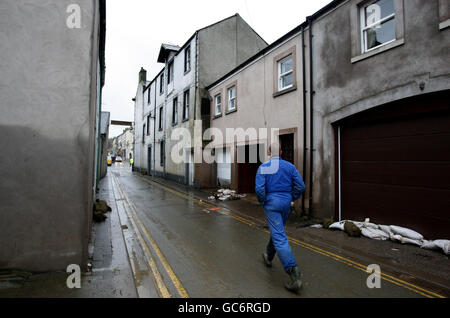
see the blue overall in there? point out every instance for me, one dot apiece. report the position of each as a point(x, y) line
point(275, 190)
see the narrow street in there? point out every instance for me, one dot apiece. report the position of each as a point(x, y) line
point(181, 247)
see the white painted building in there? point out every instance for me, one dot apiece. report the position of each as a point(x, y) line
point(176, 98)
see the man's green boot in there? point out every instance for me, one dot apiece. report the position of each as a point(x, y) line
point(296, 282)
point(267, 260)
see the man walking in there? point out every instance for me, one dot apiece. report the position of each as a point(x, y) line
point(278, 183)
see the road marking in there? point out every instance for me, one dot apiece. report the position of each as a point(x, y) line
point(417, 289)
point(177, 283)
point(164, 292)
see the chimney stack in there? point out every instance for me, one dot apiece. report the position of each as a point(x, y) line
point(142, 75)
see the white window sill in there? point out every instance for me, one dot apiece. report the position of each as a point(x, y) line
point(378, 50)
point(444, 24)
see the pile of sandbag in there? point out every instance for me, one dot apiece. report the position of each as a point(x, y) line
point(389, 232)
point(225, 194)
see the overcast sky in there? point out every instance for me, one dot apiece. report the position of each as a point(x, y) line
point(135, 30)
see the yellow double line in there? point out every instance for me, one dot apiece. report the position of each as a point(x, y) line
point(132, 215)
point(396, 281)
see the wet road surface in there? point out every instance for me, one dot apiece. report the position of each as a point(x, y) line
point(180, 247)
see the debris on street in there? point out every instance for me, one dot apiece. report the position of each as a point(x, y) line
point(226, 194)
point(384, 232)
point(100, 209)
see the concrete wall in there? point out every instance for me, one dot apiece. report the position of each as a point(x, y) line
point(48, 103)
point(233, 40)
point(343, 88)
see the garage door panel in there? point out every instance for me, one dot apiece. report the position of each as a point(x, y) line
point(413, 174)
point(399, 206)
point(418, 148)
point(435, 124)
point(395, 165)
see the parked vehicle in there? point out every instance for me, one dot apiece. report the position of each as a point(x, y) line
point(118, 159)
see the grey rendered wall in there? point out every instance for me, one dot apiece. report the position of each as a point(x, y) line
point(47, 103)
point(343, 88)
point(237, 43)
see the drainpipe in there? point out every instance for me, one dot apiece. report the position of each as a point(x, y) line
point(311, 114)
point(154, 129)
point(195, 110)
point(304, 114)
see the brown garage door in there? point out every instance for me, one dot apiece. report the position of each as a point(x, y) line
point(395, 166)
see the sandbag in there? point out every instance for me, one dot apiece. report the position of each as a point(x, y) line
point(351, 229)
point(337, 225)
point(375, 234)
point(403, 231)
point(444, 245)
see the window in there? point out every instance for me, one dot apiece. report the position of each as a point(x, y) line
point(187, 59)
point(148, 95)
point(218, 105)
point(232, 98)
point(170, 73)
point(160, 118)
point(162, 153)
point(161, 84)
point(285, 73)
point(175, 111)
point(186, 105)
point(148, 125)
point(377, 24)
point(143, 134)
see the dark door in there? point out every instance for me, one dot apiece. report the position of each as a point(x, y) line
point(396, 171)
point(247, 171)
point(287, 147)
point(149, 160)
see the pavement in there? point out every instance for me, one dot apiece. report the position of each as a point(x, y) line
point(163, 239)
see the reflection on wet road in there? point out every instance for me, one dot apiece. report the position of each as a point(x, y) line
point(181, 247)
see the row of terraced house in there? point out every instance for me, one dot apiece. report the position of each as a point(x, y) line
point(357, 95)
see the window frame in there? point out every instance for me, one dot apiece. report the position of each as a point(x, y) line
point(228, 88)
point(217, 114)
point(364, 28)
point(186, 104)
point(170, 71)
point(187, 59)
point(282, 75)
point(161, 84)
point(277, 91)
point(175, 111)
point(160, 123)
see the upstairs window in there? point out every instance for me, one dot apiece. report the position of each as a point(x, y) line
point(285, 73)
point(160, 118)
point(186, 105)
point(143, 133)
point(187, 59)
point(148, 95)
point(161, 84)
point(232, 98)
point(175, 111)
point(377, 24)
point(170, 73)
point(148, 124)
point(218, 105)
